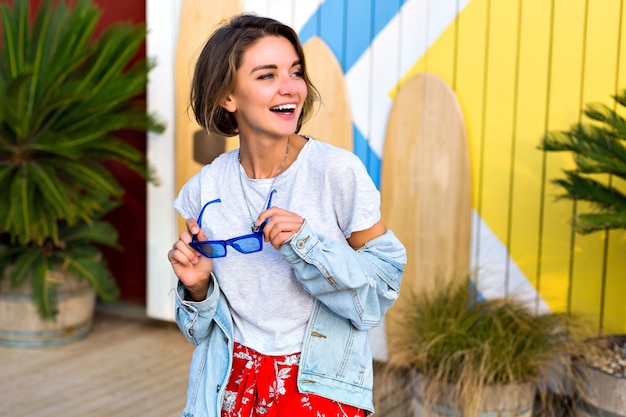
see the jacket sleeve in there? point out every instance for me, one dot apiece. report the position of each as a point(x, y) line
point(359, 285)
point(194, 317)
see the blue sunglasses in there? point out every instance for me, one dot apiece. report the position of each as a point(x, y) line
point(250, 243)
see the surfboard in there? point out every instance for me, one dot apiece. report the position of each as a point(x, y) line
point(426, 183)
point(332, 119)
point(194, 146)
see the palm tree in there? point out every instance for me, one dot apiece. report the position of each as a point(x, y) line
point(64, 93)
point(598, 147)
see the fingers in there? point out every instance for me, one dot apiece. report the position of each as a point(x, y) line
point(182, 253)
point(192, 226)
point(281, 226)
point(191, 268)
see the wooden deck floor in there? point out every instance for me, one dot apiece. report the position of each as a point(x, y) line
point(127, 366)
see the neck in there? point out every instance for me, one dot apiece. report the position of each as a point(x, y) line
point(261, 163)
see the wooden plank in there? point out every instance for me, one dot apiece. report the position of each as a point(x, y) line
point(600, 77)
point(564, 109)
point(530, 122)
point(498, 126)
point(125, 367)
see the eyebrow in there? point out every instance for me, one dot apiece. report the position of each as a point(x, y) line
point(273, 67)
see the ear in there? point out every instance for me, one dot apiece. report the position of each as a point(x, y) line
point(229, 104)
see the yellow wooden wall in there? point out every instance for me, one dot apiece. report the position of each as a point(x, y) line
point(521, 68)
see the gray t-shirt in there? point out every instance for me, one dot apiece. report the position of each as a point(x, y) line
point(326, 185)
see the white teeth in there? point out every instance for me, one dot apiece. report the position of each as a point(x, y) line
point(284, 107)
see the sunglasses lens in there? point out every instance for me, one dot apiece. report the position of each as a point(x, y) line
point(211, 250)
point(249, 244)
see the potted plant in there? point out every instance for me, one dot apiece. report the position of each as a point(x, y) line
point(64, 93)
point(466, 355)
point(598, 149)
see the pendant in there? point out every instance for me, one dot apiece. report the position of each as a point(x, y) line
point(255, 228)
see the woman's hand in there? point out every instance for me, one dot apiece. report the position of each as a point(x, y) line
point(282, 224)
point(191, 267)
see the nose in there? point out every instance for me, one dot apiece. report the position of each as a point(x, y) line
point(288, 86)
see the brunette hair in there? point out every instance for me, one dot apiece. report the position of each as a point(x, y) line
point(214, 75)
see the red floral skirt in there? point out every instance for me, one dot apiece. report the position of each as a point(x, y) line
point(261, 385)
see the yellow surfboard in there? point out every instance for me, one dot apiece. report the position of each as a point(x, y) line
point(426, 184)
point(332, 120)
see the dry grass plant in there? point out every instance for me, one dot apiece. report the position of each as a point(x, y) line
point(466, 347)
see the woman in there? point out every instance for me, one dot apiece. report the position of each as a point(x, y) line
point(281, 327)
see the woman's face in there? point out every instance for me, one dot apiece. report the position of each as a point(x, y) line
point(269, 89)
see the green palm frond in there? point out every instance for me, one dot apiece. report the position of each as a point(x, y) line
point(602, 197)
point(598, 148)
point(592, 222)
point(65, 93)
point(63, 96)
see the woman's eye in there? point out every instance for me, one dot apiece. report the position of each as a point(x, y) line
point(266, 76)
point(298, 74)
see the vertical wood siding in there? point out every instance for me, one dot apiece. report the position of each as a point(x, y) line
point(519, 68)
point(523, 68)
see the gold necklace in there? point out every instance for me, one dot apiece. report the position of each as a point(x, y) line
point(253, 226)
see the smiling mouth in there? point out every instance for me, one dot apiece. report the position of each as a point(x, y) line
point(284, 108)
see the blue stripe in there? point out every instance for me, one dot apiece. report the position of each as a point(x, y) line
point(358, 32)
point(367, 155)
point(348, 27)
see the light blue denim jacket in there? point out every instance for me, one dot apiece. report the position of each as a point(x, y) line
point(354, 290)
